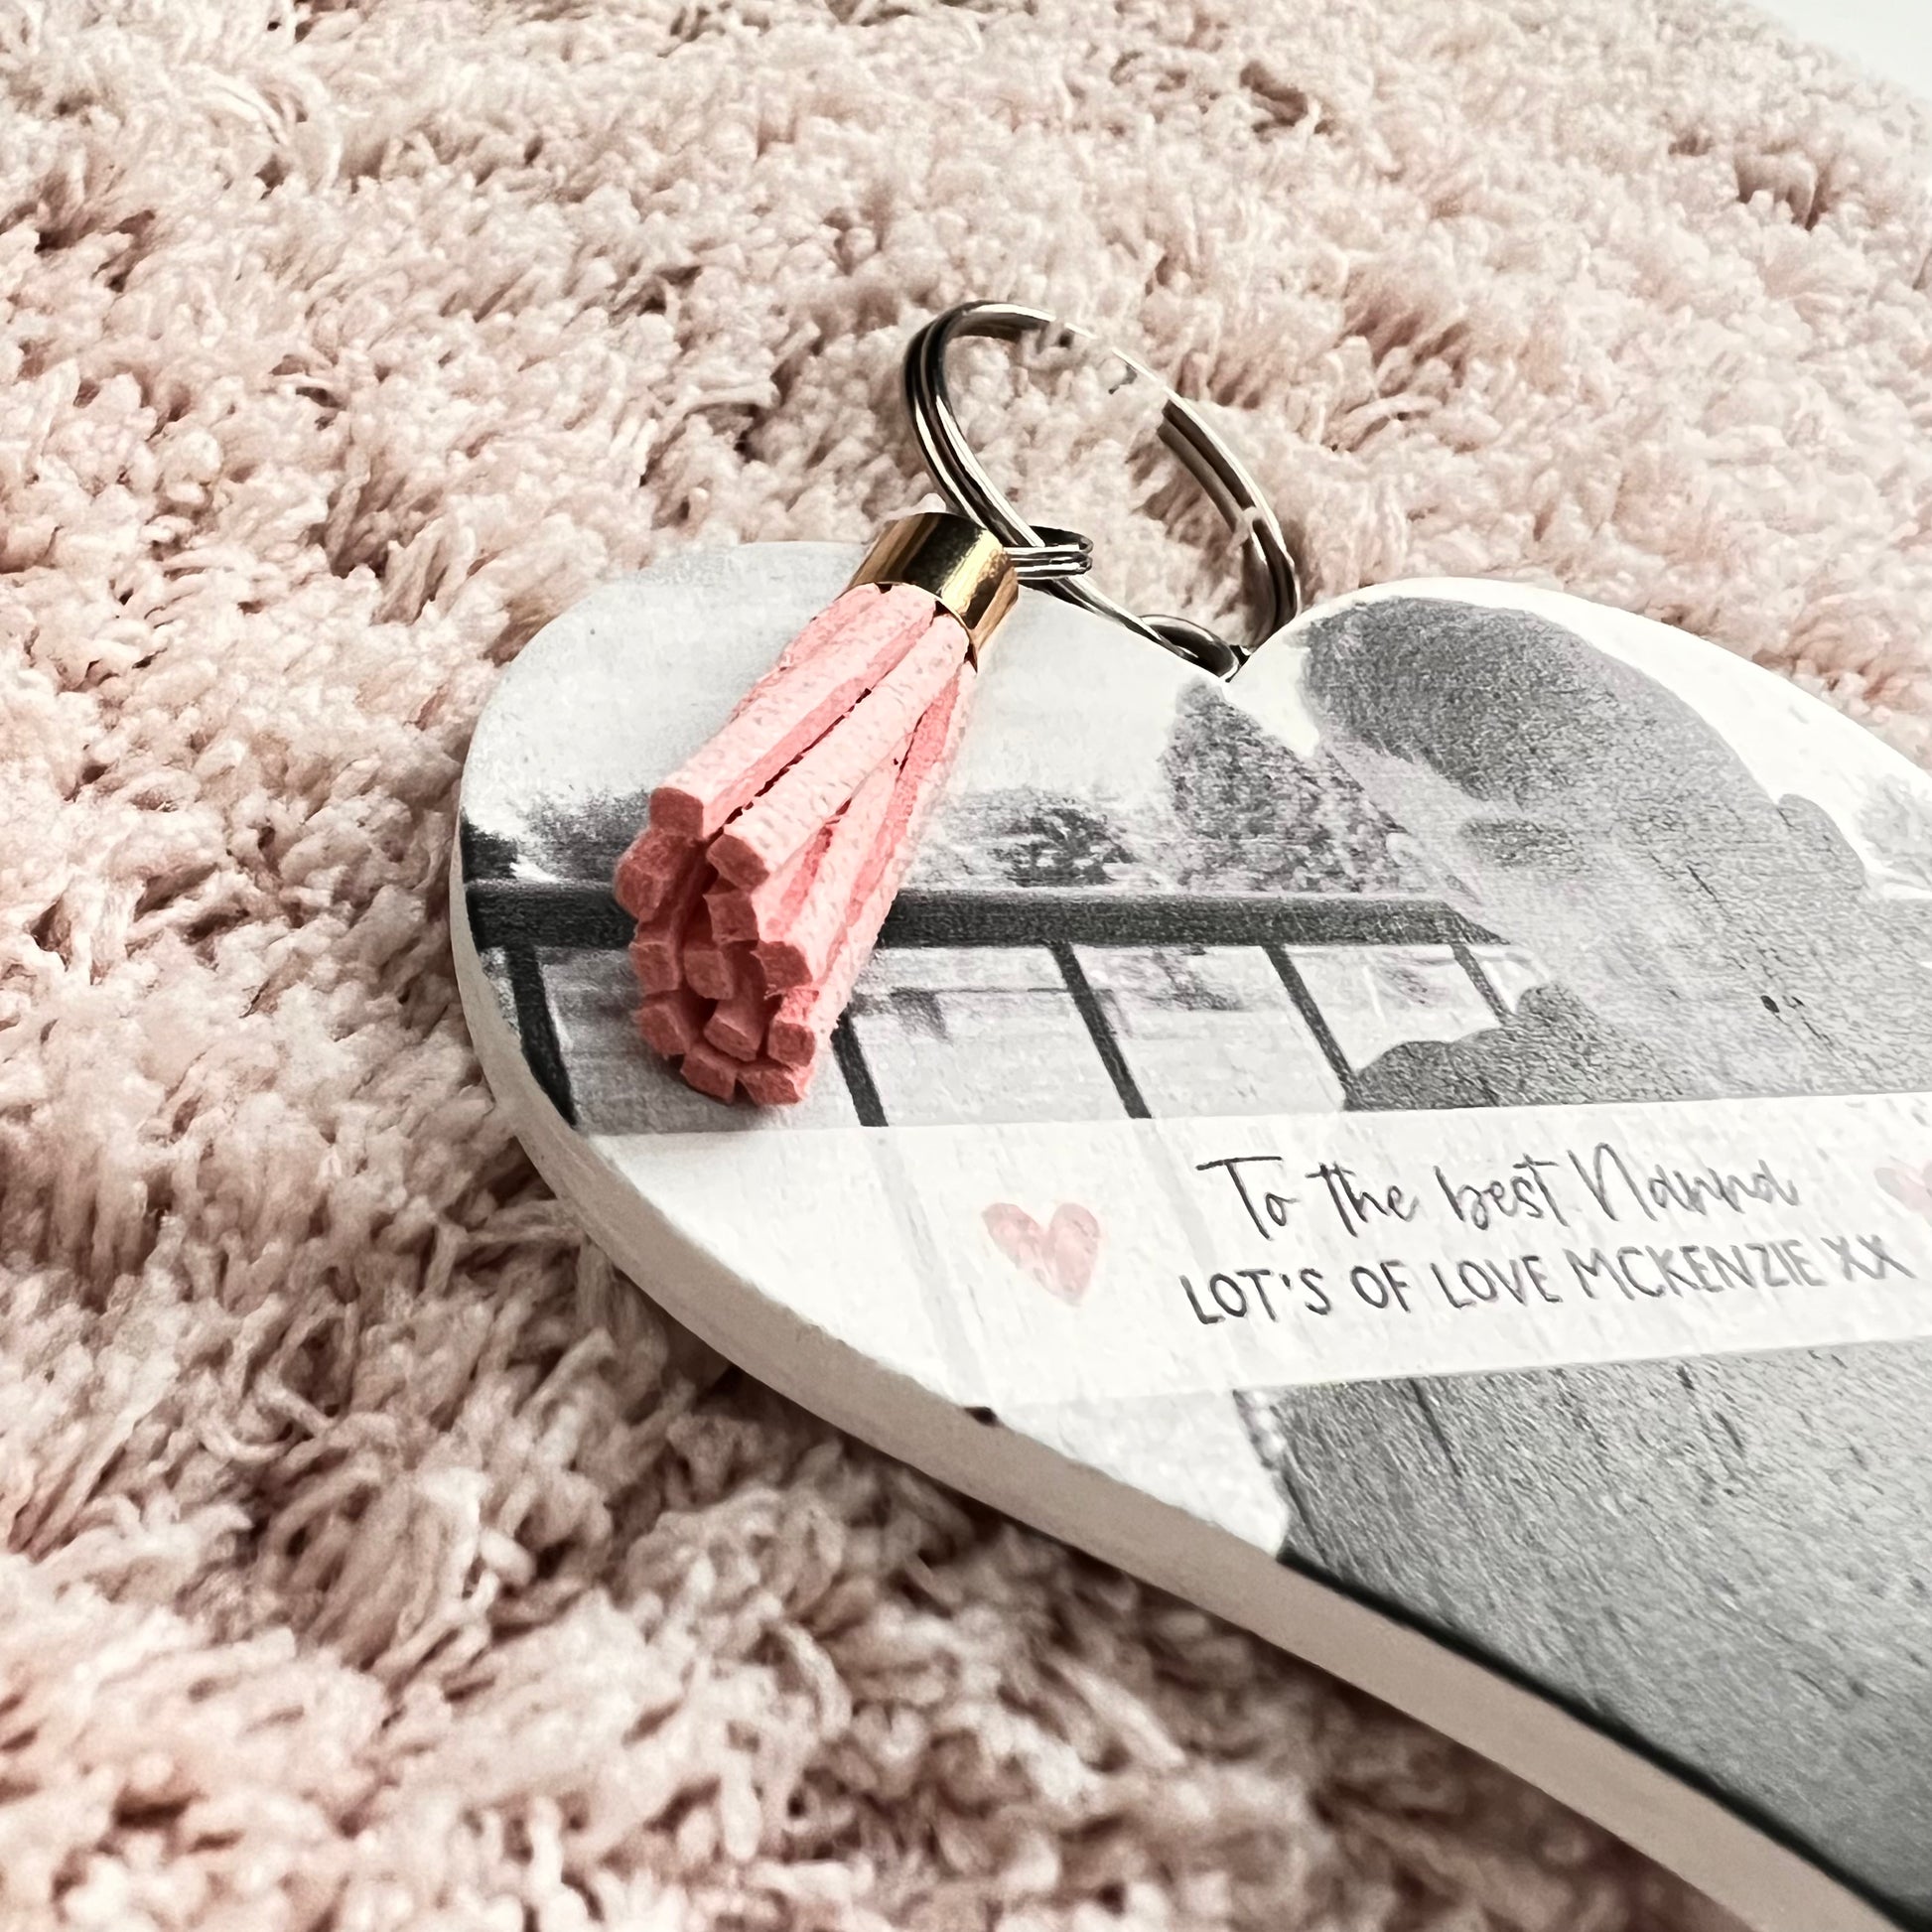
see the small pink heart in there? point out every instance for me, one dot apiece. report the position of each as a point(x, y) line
point(1060, 1256)
point(1913, 1189)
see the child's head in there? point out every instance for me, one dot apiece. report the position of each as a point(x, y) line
point(1575, 806)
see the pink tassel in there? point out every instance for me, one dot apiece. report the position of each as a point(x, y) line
point(789, 709)
point(806, 1016)
point(710, 1071)
point(773, 854)
point(798, 947)
point(672, 1023)
point(737, 1026)
point(657, 952)
point(757, 914)
point(774, 828)
point(709, 968)
point(656, 864)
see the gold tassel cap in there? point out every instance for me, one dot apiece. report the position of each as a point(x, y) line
point(961, 567)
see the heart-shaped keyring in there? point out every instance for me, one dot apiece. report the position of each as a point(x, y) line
point(1480, 1029)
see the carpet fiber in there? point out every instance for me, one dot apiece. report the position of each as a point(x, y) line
point(369, 1559)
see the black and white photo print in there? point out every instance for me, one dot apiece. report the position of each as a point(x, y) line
point(1706, 930)
point(1710, 1554)
point(1496, 867)
point(1424, 1148)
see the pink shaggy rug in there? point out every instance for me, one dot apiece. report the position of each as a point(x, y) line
point(369, 1560)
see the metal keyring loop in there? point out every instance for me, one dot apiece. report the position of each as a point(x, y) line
point(1058, 560)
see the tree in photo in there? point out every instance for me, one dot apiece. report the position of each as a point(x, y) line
point(1256, 817)
point(486, 855)
point(1023, 836)
point(582, 838)
point(1059, 844)
point(1897, 825)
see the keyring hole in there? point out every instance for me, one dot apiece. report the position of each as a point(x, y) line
point(1070, 435)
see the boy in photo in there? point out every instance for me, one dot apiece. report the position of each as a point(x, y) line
point(1702, 937)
